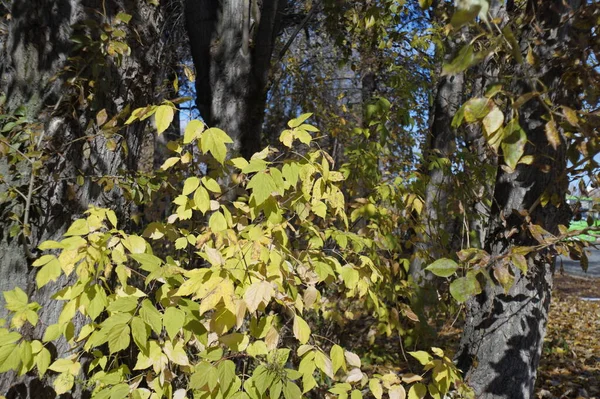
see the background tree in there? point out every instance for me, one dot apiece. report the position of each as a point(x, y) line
point(71, 72)
point(232, 43)
point(285, 272)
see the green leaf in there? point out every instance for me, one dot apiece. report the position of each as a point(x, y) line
point(63, 383)
point(205, 375)
point(350, 276)
point(44, 259)
point(214, 140)
point(26, 356)
point(7, 338)
point(467, 10)
point(64, 365)
point(173, 321)
point(291, 391)
point(16, 299)
point(52, 332)
point(262, 186)
point(202, 200)
point(341, 388)
point(141, 114)
point(477, 108)
point(135, 244)
point(425, 4)
point(443, 267)
point(513, 145)
point(164, 116)
point(78, 228)
point(464, 287)
point(190, 185)
point(148, 262)
point(417, 391)
point(337, 358)
point(422, 356)
point(276, 389)
point(287, 138)
point(463, 60)
point(211, 184)
point(237, 342)
point(42, 361)
point(123, 304)
point(217, 222)
point(356, 394)
point(376, 388)
point(299, 120)
point(323, 362)
point(227, 377)
point(263, 379)
point(10, 358)
point(112, 217)
point(118, 338)
point(140, 332)
point(123, 17)
point(119, 391)
point(301, 329)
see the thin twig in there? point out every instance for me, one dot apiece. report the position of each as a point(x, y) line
point(287, 45)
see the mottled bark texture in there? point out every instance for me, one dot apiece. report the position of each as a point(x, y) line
point(483, 162)
point(38, 57)
point(232, 43)
point(502, 341)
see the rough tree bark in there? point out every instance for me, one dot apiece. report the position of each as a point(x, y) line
point(433, 237)
point(38, 60)
point(232, 43)
point(502, 341)
point(440, 143)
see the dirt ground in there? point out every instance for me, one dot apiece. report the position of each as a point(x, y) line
point(570, 365)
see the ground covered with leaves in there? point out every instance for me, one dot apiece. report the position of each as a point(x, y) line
point(570, 365)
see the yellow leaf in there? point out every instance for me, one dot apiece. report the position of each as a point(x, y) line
point(397, 392)
point(192, 131)
point(409, 378)
point(224, 291)
point(214, 256)
point(190, 185)
point(571, 116)
point(376, 388)
point(259, 292)
point(493, 121)
point(170, 162)
point(176, 353)
point(301, 329)
point(552, 134)
point(164, 116)
point(63, 383)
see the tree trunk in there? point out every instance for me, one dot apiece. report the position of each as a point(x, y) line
point(232, 43)
point(502, 340)
point(440, 143)
point(63, 88)
point(432, 238)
